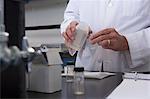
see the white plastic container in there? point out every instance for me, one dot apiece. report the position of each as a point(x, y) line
point(81, 34)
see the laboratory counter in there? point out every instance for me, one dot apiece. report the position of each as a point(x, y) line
point(94, 89)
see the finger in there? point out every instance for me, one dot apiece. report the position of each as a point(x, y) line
point(73, 26)
point(101, 38)
point(107, 31)
point(104, 44)
point(103, 32)
point(70, 34)
point(65, 36)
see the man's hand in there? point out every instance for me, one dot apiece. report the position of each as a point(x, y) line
point(69, 33)
point(110, 39)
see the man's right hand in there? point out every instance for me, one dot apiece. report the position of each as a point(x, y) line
point(69, 33)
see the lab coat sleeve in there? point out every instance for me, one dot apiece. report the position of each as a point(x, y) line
point(139, 48)
point(71, 14)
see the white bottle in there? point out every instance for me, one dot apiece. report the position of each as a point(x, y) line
point(81, 34)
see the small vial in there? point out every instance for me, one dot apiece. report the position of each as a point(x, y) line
point(79, 80)
point(69, 71)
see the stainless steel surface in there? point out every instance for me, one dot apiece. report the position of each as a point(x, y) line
point(94, 89)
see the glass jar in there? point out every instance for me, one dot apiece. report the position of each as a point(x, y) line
point(79, 80)
point(69, 70)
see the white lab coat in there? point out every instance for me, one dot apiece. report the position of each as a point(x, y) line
point(130, 18)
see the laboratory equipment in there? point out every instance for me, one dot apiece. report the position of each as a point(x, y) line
point(46, 71)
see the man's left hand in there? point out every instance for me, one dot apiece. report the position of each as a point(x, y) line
point(110, 39)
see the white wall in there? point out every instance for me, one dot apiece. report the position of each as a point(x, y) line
point(45, 12)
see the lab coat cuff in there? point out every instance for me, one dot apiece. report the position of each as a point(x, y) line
point(132, 55)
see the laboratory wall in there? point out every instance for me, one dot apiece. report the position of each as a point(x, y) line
point(47, 12)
